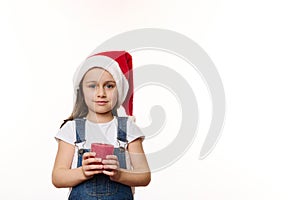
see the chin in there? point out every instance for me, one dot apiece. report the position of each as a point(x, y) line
point(104, 112)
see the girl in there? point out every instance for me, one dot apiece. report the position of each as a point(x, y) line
point(103, 87)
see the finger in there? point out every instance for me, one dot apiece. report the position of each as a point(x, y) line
point(111, 167)
point(111, 157)
point(90, 170)
point(86, 155)
point(90, 161)
point(110, 162)
point(109, 173)
point(92, 167)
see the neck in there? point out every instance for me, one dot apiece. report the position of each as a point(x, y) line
point(100, 117)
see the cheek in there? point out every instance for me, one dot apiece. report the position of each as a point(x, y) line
point(88, 92)
point(87, 95)
point(115, 96)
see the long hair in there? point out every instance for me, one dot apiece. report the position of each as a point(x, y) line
point(80, 108)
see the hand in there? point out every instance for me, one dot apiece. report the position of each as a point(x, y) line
point(111, 167)
point(91, 165)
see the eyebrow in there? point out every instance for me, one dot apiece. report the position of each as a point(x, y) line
point(109, 81)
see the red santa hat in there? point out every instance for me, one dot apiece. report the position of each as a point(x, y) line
point(119, 65)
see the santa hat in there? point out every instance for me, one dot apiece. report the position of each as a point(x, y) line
point(119, 65)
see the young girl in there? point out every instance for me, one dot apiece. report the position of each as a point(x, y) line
point(103, 87)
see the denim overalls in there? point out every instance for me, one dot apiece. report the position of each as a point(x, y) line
point(100, 187)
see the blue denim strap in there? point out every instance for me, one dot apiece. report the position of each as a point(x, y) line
point(80, 137)
point(122, 140)
point(122, 129)
point(80, 130)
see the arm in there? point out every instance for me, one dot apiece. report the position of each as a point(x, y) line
point(63, 175)
point(139, 176)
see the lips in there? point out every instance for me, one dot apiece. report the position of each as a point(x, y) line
point(101, 102)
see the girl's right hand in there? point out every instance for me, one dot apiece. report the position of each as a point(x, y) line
point(91, 165)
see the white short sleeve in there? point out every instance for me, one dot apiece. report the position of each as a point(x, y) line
point(133, 131)
point(67, 133)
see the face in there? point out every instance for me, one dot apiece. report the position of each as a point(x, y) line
point(100, 91)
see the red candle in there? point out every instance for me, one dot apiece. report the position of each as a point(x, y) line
point(102, 150)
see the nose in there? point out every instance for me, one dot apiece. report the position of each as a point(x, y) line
point(101, 92)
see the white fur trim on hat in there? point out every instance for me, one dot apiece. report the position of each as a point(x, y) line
point(109, 65)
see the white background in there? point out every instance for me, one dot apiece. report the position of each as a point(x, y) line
point(254, 45)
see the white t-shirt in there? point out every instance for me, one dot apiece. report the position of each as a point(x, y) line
point(97, 132)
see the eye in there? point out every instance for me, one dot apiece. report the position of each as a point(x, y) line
point(110, 86)
point(93, 86)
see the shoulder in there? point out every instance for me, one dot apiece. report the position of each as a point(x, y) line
point(131, 122)
point(67, 132)
point(133, 131)
point(68, 125)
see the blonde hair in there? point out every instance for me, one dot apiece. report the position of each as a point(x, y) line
point(80, 108)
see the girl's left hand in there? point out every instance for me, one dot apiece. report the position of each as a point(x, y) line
point(111, 167)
